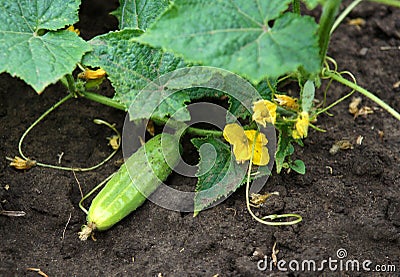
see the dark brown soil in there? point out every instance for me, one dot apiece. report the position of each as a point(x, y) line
point(350, 200)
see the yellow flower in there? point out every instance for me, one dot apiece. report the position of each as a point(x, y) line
point(242, 142)
point(89, 74)
point(287, 101)
point(20, 163)
point(72, 29)
point(301, 126)
point(264, 111)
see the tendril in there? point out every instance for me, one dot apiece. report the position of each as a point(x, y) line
point(263, 220)
point(97, 121)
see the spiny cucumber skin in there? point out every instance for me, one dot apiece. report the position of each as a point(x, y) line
point(120, 195)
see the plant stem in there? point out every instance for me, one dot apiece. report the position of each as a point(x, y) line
point(333, 104)
point(296, 6)
point(103, 100)
point(370, 95)
point(173, 124)
point(343, 15)
point(71, 84)
point(395, 3)
point(329, 12)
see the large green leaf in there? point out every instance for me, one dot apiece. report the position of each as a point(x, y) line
point(32, 48)
point(139, 14)
point(131, 66)
point(239, 35)
point(218, 173)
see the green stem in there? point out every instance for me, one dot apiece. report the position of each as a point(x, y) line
point(93, 191)
point(55, 106)
point(296, 6)
point(102, 100)
point(343, 15)
point(329, 12)
point(395, 3)
point(173, 124)
point(363, 91)
point(71, 84)
point(333, 104)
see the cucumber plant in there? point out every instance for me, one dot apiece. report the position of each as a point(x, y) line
point(265, 42)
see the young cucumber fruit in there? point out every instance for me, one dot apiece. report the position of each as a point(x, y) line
point(125, 192)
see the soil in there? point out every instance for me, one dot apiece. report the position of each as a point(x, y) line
point(350, 200)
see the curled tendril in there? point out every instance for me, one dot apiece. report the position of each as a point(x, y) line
point(267, 220)
point(97, 121)
point(327, 74)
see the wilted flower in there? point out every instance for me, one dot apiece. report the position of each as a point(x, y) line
point(301, 126)
point(114, 142)
point(20, 163)
point(287, 101)
point(89, 74)
point(72, 29)
point(242, 142)
point(264, 111)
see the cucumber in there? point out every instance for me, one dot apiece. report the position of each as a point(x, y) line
point(120, 196)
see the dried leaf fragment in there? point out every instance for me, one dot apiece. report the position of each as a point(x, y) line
point(360, 139)
point(114, 142)
point(340, 145)
point(274, 253)
point(357, 22)
point(364, 111)
point(20, 163)
point(259, 199)
point(381, 134)
point(353, 106)
point(12, 213)
point(41, 273)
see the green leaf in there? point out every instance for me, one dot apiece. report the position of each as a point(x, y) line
point(311, 4)
point(237, 35)
point(307, 96)
point(32, 48)
point(131, 66)
point(284, 148)
point(298, 166)
point(139, 14)
point(218, 173)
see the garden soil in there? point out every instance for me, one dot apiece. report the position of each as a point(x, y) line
point(350, 201)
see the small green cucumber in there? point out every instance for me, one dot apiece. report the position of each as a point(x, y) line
point(120, 196)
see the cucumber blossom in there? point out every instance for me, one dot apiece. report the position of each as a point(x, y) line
point(125, 192)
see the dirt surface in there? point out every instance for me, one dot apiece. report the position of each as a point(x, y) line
point(349, 201)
